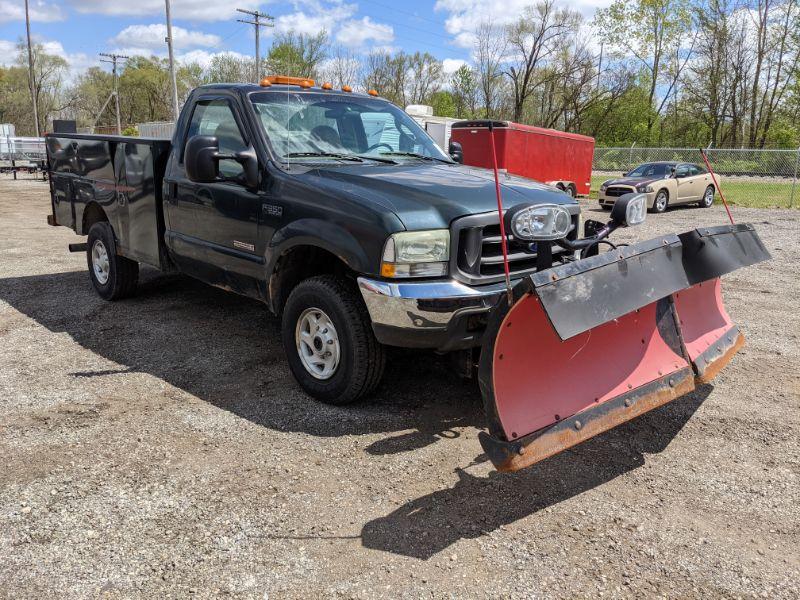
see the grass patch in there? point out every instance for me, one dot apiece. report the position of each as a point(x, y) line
point(751, 194)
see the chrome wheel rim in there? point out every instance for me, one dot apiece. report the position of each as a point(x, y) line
point(709, 197)
point(317, 343)
point(661, 202)
point(100, 262)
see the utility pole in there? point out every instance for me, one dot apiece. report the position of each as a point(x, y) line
point(172, 64)
point(114, 58)
point(31, 79)
point(257, 16)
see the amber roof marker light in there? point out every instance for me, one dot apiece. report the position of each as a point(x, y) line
point(373, 92)
point(327, 86)
point(303, 82)
point(347, 88)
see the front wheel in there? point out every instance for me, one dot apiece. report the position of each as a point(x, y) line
point(661, 202)
point(708, 197)
point(329, 343)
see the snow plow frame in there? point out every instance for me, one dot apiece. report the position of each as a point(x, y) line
point(659, 284)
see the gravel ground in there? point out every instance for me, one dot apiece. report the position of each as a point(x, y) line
point(158, 447)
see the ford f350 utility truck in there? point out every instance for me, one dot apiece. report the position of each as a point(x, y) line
point(340, 213)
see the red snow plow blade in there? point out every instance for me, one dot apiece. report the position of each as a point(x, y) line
point(591, 344)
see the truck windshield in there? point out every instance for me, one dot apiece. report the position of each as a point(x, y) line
point(312, 126)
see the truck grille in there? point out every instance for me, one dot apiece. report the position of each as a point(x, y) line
point(479, 254)
point(618, 190)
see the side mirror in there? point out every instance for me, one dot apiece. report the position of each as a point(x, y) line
point(202, 157)
point(625, 174)
point(673, 172)
point(456, 152)
point(629, 210)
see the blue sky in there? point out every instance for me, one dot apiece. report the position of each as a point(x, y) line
point(79, 29)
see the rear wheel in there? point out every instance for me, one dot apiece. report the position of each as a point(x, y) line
point(661, 202)
point(113, 276)
point(708, 197)
point(329, 343)
point(604, 206)
point(571, 190)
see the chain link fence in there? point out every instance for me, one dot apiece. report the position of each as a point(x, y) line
point(748, 177)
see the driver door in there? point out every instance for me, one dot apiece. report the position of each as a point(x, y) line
point(217, 222)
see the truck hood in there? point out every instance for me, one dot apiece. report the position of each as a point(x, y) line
point(634, 181)
point(431, 195)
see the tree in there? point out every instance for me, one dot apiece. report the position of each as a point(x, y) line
point(424, 77)
point(228, 67)
point(299, 55)
point(464, 84)
point(49, 73)
point(652, 32)
point(387, 73)
point(531, 41)
point(342, 68)
point(490, 47)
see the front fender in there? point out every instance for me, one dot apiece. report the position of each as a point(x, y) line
point(326, 235)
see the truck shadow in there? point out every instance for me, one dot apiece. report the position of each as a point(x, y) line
point(475, 506)
point(226, 350)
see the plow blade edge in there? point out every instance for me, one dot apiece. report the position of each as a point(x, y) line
point(591, 344)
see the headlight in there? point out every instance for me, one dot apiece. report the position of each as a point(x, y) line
point(539, 222)
point(416, 254)
point(644, 189)
point(629, 209)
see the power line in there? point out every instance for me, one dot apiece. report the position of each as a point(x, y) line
point(258, 24)
point(114, 58)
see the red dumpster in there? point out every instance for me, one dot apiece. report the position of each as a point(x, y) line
point(545, 155)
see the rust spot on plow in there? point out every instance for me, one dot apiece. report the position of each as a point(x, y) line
point(713, 369)
point(596, 420)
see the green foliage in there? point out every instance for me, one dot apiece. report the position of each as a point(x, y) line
point(298, 55)
point(131, 130)
point(443, 104)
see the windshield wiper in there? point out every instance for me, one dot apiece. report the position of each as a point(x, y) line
point(388, 161)
point(415, 155)
point(352, 157)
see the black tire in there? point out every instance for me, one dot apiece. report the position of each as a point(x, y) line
point(604, 207)
point(572, 191)
point(362, 357)
point(121, 275)
point(660, 207)
point(705, 203)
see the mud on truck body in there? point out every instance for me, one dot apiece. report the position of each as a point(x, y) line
point(340, 213)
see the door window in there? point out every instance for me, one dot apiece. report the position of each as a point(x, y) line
point(215, 117)
point(682, 171)
point(694, 170)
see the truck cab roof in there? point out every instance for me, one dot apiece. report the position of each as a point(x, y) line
point(247, 88)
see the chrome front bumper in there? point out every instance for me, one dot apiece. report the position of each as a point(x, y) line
point(442, 314)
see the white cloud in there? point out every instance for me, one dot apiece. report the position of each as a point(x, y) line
point(451, 65)
point(311, 17)
point(358, 32)
point(337, 19)
point(465, 16)
point(203, 57)
point(191, 10)
point(44, 12)
point(8, 53)
point(153, 36)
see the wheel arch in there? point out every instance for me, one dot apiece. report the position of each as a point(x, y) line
point(299, 260)
point(93, 213)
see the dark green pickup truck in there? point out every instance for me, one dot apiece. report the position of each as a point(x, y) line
point(334, 208)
